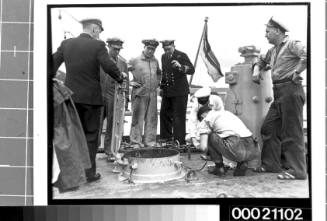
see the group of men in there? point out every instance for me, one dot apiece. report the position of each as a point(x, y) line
point(174, 89)
point(92, 73)
point(147, 79)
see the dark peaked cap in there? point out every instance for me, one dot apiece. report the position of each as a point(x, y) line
point(273, 22)
point(92, 21)
point(150, 42)
point(167, 42)
point(115, 42)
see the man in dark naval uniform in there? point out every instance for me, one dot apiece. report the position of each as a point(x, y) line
point(174, 90)
point(83, 57)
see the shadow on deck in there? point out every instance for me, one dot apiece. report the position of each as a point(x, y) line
point(204, 185)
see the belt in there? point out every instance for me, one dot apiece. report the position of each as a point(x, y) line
point(282, 81)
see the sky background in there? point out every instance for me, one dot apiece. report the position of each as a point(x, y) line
point(229, 27)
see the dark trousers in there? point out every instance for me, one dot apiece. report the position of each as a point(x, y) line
point(282, 131)
point(173, 118)
point(90, 119)
point(234, 148)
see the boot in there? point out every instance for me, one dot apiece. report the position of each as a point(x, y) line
point(240, 169)
point(218, 170)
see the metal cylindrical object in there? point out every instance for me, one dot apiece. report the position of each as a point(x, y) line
point(249, 101)
point(154, 165)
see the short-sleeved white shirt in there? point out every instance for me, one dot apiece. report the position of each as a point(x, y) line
point(224, 123)
point(215, 102)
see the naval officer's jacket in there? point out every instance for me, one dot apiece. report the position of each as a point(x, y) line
point(174, 81)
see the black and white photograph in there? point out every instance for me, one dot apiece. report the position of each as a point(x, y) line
point(154, 110)
point(179, 101)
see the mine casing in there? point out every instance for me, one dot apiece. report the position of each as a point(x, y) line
point(246, 99)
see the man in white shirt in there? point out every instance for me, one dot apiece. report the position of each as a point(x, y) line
point(223, 134)
point(203, 97)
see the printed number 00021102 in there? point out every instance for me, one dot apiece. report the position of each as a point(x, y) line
point(266, 213)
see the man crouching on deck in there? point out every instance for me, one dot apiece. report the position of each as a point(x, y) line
point(223, 134)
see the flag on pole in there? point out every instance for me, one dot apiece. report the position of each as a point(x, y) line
point(209, 57)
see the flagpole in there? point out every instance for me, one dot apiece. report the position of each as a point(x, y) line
point(197, 53)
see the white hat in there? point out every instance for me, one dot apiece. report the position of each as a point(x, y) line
point(202, 92)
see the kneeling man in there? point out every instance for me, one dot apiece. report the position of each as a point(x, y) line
point(223, 134)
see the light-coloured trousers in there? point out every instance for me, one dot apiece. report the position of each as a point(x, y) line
point(107, 113)
point(145, 117)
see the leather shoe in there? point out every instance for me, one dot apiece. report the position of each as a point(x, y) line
point(240, 169)
point(218, 171)
point(94, 178)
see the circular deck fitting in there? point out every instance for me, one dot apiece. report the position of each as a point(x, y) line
point(154, 165)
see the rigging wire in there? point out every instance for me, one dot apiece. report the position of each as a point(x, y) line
point(60, 17)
